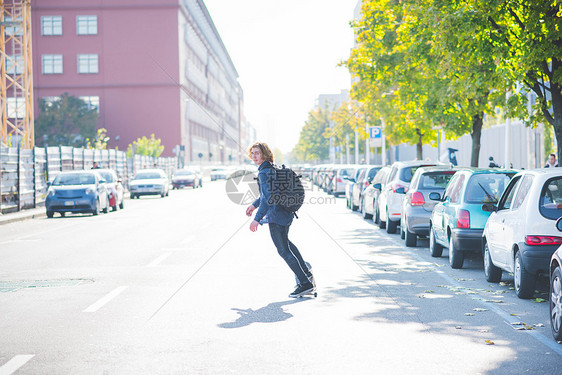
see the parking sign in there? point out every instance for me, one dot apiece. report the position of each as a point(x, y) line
point(375, 132)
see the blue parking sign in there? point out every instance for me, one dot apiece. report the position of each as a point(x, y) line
point(375, 132)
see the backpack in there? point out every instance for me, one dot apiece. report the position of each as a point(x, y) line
point(287, 190)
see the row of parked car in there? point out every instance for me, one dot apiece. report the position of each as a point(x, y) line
point(96, 190)
point(512, 218)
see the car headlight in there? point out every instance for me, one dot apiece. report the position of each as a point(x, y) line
point(51, 192)
point(90, 190)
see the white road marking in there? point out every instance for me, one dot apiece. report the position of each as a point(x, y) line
point(15, 363)
point(99, 304)
point(157, 261)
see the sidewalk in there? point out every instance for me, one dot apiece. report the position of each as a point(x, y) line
point(31, 213)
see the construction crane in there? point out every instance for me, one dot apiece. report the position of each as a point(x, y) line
point(16, 71)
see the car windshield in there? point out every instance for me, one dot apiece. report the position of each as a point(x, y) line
point(486, 187)
point(183, 173)
point(107, 176)
point(373, 172)
point(74, 179)
point(550, 204)
point(147, 176)
point(435, 180)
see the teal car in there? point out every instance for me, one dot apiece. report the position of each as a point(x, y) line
point(457, 221)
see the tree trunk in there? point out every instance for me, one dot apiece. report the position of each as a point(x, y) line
point(419, 145)
point(556, 119)
point(477, 121)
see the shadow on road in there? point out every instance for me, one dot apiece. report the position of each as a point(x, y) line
point(271, 313)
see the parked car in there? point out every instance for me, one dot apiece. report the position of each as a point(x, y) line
point(416, 205)
point(341, 174)
point(115, 189)
point(457, 221)
point(77, 192)
point(520, 235)
point(219, 173)
point(349, 187)
point(186, 177)
point(556, 290)
point(390, 199)
point(149, 182)
point(359, 188)
point(372, 193)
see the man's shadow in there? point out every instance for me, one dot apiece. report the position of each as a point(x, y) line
point(271, 313)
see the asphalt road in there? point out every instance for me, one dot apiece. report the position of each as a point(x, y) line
point(179, 285)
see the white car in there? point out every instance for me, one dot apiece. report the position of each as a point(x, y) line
point(149, 182)
point(520, 235)
point(394, 190)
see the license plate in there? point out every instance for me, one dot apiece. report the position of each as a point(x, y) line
point(69, 203)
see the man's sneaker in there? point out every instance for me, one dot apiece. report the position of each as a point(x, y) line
point(302, 290)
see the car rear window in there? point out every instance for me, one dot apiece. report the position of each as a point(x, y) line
point(550, 204)
point(373, 172)
point(406, 174)
point(486, 187)
point(347, 172)
point(435, 180)
point(147, 176)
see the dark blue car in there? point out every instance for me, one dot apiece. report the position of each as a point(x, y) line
point(77, 192)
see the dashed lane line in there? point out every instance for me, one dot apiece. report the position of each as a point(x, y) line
point(102, 301)
point(15, 363)
point(158, 260)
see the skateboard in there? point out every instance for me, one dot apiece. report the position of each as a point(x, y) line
point(313, 292)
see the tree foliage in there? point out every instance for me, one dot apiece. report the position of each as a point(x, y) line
point(67, 121)
point(312, 144)
point(146, 146)
point(100, 140)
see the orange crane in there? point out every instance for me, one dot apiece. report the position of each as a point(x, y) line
point(16, 71)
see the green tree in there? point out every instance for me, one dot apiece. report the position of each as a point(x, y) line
point(146, 146)
point(312, 144)
point(67, 121)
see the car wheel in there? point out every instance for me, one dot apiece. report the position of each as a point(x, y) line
point(122, 204)
point(364, 211)
point(62, 214)
point(524, 282)
point(435, 249)
point(456, 257)
point(106, 208)
point(116, 207)
point(391, 226)
point(411, 238)
point(96, 209)
point(50, 214)
point(493, 274)
point(377, 219)
point(353, 207)
point(402, 234)
point(556, 304)
point(347, 202)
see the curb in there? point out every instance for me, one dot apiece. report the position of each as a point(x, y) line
point(21, 216)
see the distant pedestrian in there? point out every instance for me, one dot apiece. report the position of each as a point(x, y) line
point(96, 165)
point(551, 163)
point(278, 219)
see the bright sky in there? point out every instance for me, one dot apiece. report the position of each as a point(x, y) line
point(286, 53)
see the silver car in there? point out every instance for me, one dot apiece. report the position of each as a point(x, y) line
point(149, 182)
point(416, 205)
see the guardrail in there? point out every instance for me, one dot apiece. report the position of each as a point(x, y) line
point(24, 173)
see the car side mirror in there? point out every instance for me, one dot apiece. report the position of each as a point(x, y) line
point(377, 186)
point(559, 224)
point(102, 181)
point(49, 183)
point(435, 196)
point(401, 190)
point(489, 207)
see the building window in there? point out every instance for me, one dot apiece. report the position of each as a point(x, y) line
point(50, 100)
point(13, 29)
point(51, 25)
point(15, 107)
point(14, 64)
point(93, 102)
point(51, 64)
point(88, 64)
point(87, 25)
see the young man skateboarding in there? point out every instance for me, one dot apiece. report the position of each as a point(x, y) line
point(278, 219)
